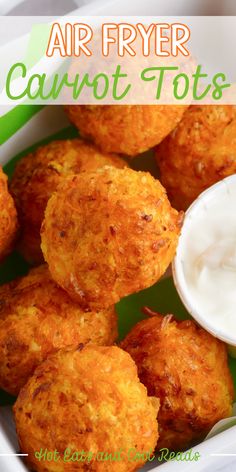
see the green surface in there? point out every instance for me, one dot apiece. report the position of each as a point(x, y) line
point(12, 121)
point(161, 297)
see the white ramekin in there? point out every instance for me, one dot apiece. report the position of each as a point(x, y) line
point(181, 254)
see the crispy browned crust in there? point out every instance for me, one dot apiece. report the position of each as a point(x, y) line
point(187, 369)
point(36, 318)
point(108, 234)
point(91, 400)
point(37, 176)
point(198, 153)
point(8, 218)
point(126, 129)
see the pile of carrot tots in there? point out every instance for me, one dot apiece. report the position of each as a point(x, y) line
point(94, 231)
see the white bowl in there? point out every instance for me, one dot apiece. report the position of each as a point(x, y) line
point(200, 207)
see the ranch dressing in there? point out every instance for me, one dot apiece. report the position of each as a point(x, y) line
point(205, 265)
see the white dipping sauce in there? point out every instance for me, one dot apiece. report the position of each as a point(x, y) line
point(205, 265)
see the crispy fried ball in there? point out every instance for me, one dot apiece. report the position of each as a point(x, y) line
point(126, 129)
point(108, 234)
point(37, 176)
point(187, 369)
point(92, 401)
point(36, 318)
point(198, 153)
point(8, 218)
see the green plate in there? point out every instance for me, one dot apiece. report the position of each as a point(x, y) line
point(161, 297)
